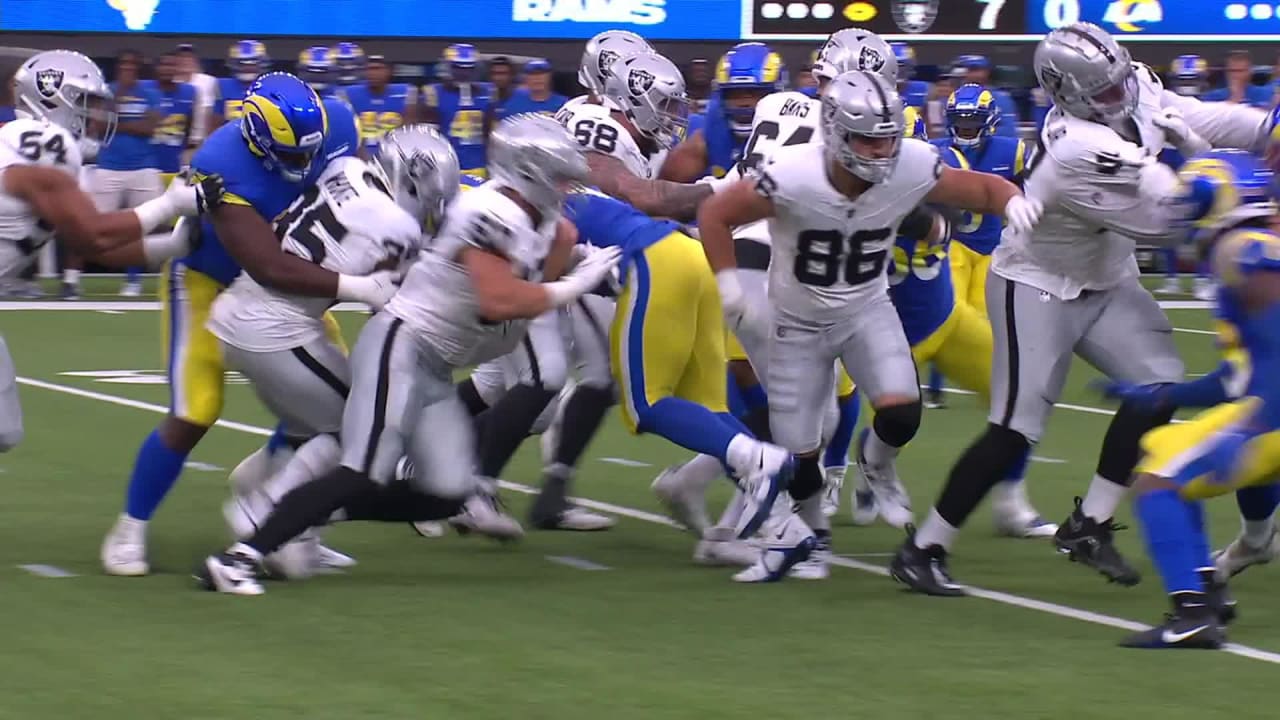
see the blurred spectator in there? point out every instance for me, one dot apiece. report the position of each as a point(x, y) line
point(126, 175)
point(6, 102)
point(503, 78)
point(246, 60)
point(977, 69)
point(915, 93)
point(380, 104)
point(935, 113)
point(698, 85)
point(318, 68)
point(1239, 88)
point(460, 105)
point(536, 94)
point(177, 114)
point(1189, 75)
point(805, 81)
point(190, 71)
point(349, 64)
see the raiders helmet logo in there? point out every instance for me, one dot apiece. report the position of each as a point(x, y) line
point(607, 58)
point(870, 59)
point(49, 81)
point(639, 81)
point(914, 16)
point(1051, 79)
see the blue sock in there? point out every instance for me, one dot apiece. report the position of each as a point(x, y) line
point(935, 380)
point(1018, 472)
point(277, 440)
point(1200, 544)
point(692, 426)
point(133, 274)
point(1258, 502)
point(837, 452)
point(1171, 263)
point(155, 470)
point(1168, 529)
point(754, 396)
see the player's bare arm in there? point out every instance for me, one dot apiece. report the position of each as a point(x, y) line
point(686, 161)
point(975, 191)
point(253, 244)
point(500, 295)
point(558, 259)
point(660, 198)
point(739, 204)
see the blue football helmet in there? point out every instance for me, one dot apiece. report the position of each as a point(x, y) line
point(906, 56)
point(972, 115)
point(350, 60)
point(1189, 74)
point(752, 68)
point(285, 124)
point(461, 59)
point(247, 59)
point(316, 67)
point(1221, 189)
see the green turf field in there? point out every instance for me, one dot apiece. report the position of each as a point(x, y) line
point(460, 628)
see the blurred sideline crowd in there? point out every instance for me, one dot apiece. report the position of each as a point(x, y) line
point(169, 103)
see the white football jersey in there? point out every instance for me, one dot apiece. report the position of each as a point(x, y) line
point(830, 251)
point(782, 119)
point(30, 142)
point(346, 223)
point(595, 130)
point(437, 299)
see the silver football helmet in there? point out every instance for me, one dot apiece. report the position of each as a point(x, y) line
point(1087, 73)
point(422, 170)
point(862, 104)
point(68, 90)
point(602, 52)
point(649, 90)
point(535, 156)
point(856, 49)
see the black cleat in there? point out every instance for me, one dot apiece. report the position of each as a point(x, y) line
point(1219, 597)
point(1088, 541)
point(1193, 625)
point(924, 570)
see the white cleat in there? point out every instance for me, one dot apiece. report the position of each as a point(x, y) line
point(864, 508)
point(1204, 289)
point(251, 473)
point(298, 559)
point(818, 565)
point(719, 547)
point(579, 519)
point(761, 488)
point(483, 514)
point(1239, 556)
point(131, 290)
point(834, 477)
point(892, 501)
point(124, 550)
point(1015, 517)
point(685, 505)
point(787, 542)
point(428, 528)
point(329, 560)
point(234, 572)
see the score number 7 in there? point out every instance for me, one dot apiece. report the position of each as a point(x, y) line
point(990, 14)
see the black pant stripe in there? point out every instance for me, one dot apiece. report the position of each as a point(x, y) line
point(380, 396)
point(601, 333)
point(1011, 340)
point(533, 361)
point(319, 370)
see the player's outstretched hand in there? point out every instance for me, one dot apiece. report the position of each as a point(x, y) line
point(1022, 213)
point(593, 266)
point(1178, 134)
point(195, 196)
point(1142, 397)
point(374, 290)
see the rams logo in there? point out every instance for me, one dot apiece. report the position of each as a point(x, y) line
point(639, 81)
point(871, 60)
point(49, 81)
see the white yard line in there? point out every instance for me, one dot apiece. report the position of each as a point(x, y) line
point(992, 595)
point(577, 563)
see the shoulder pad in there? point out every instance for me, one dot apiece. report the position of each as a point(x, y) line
point(1090, 148)
point(484, 218)
point(770, 106)
point(39, 142)
point(789, 170)
point(1147, 76)
point(920, 159)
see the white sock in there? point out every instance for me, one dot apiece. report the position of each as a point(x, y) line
point(1009, 494)
point(877, 451)
point(935, 531)
point(1257, 533)
point(732, 514)
point(1103, 498)
point(700, 472)
point(71, 277)
point(317, 457)
point(810, 510)
point(743, 453)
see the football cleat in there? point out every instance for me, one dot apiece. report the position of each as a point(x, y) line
point(1092, 543)
point(762, 487)
point(1240, 555)
point(576, 519)
point(1219, 597)
point(483, 514)
point(817, 565)
point(892, 501)
point(685, 505)
point(924, 570)
point(124, 550)
point(1204, 288)
point(831, 489)
point(787, 542)
point(428, 528)
point(864, 508)
point(234, 572)
point(719, 546)
point(1192, 625)
point(298, 559)
point(329, 560)
point(131, 289)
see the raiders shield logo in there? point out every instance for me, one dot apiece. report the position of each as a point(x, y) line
point(607, 58)
point(914, 16)
point(870, 59)
point(48, 82)
point(639, 81)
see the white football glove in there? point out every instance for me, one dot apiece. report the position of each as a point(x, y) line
point(1178, 134)
point(374, 290)
point(590, 271)
point(732, 300)
point(1022, 213)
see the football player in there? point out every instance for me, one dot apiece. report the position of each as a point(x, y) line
point(316, 68)
point(915, 93)
point(1190, 76)
point(1071, 286)
point(282, 142)
point(745, 75)
point(1230, 197)
point(535, 95)
point(380, 104)
point(600, 53)
point(467, 301)
point(246, 60)
point(349, 64)
point(458, 106)
point(64, 114)
point(977, 69)
point(828, 300)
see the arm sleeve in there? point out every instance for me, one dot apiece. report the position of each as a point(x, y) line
point(1223, 125)
point(1207, 391)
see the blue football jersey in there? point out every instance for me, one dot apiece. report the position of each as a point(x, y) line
point(1006, 157)
point(604, 221)
point(176, 113)
point(231, 94)
point(462, 109)
point(379, 113)
point(522, 102)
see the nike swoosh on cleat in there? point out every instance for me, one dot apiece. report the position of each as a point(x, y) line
point(1169, 637)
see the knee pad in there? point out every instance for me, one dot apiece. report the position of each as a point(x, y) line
point(897, 424)
point(808, 478)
